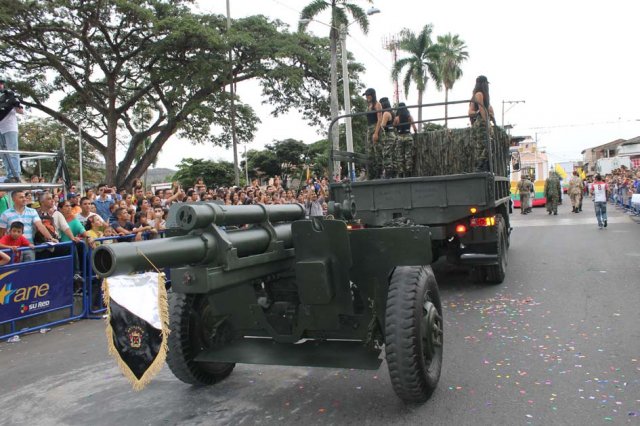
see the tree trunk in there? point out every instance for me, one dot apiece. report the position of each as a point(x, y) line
point(446, 107)
point(335, 141)
point(420, 92)
point(112, 143)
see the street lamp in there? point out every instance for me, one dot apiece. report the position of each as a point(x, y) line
point(345, 84)
point(508, 102)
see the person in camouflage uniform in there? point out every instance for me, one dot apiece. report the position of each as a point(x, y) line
point(480, 113)
point(575, 192)
point(552, 192)
point(374, 118)
point(405, 145)
point(388, 141)
point(525, 187)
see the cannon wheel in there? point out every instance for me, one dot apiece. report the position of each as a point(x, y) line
point(194, 329)
point(414, 333)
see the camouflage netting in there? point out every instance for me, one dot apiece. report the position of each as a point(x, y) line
point(452, 151)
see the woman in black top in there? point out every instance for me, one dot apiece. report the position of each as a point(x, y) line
point(374, 118)
point(388, 141)
point(480, 111)
point(404, 147)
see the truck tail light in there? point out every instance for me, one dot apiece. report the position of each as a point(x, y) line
point(482, 221)
point(461, 229)
point(354, 226)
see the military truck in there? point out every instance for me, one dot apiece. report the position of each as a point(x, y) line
point(465, 210)
point(261, 284)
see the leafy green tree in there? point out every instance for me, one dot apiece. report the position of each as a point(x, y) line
point(289, 151)
point(420, 65)
point(214, 173)
point(452, 53)
point(106, 58)
point(45, 135)
point(340, 11)
point(263, 163)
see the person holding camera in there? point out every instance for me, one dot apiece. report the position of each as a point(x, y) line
point(103, 201)
point(9, 108)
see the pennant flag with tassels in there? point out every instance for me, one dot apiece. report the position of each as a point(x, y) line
point(137, 324)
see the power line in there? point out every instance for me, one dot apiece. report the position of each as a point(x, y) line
point(593, 123)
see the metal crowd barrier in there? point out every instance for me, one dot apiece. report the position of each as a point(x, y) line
point(41, 287)
point(36, 288)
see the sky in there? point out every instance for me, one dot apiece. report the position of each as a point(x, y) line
point(575, 65)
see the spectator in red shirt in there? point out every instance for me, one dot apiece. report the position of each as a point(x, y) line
point(14, 239)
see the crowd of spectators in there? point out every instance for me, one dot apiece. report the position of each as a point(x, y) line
point(107, 211)
point(623, 184)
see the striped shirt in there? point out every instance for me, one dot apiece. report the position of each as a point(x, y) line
point(28, 217)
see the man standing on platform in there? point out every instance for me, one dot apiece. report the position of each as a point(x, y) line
point(9, 131)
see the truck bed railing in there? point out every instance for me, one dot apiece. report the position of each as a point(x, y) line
point(352, 158)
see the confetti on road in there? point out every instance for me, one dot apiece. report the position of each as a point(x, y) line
point(505, 323)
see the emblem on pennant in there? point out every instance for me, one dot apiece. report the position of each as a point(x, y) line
point(137, 324)
point(135, 334)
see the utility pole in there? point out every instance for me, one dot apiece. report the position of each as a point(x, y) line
point(246, 166)
point(236, 172)
point(80, 160)
point(390, 43)
point(347, 98)
point(508, 102)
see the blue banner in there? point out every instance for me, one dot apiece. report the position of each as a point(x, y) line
point(34, 287)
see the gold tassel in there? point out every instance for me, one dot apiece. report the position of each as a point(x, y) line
point(158, 362)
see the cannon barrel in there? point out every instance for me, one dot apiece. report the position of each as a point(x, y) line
point(201, 215)
point(126, 257)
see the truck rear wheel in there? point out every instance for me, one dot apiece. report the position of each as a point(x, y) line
point(414, 333)
point(496, 273)
point(194, 329)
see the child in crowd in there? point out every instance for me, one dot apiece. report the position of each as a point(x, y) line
point(14, 239)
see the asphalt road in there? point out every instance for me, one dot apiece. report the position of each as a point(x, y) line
point(557, 343)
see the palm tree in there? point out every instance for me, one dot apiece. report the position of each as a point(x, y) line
point(339, 9)
point(452, 54)
point(422, 64)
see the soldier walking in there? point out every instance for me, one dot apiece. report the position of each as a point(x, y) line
point(524, 188)
point(575, 192)
point(552, 192)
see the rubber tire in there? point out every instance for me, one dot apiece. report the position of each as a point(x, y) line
point(185, 342)
point(495, 274)
point(410, 287)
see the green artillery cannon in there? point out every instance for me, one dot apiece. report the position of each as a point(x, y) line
point(285, 290)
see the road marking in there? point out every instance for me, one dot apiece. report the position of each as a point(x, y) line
point(556, 221)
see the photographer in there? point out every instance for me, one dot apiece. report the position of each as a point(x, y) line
point(9, 107)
